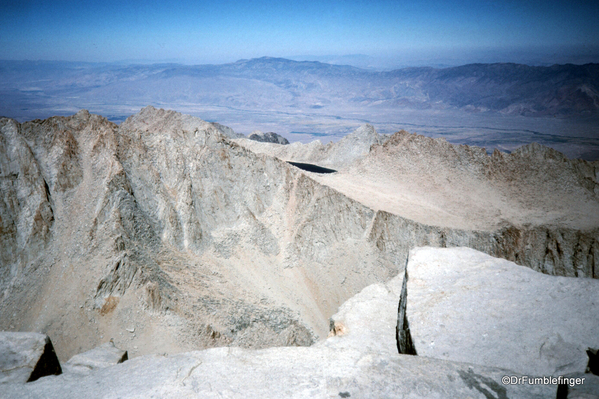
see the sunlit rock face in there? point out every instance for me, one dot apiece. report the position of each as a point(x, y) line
point(463, 305)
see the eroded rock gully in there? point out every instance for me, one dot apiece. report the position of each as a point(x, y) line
point(166, 225)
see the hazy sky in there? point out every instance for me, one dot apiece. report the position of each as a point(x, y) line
point(224, 31)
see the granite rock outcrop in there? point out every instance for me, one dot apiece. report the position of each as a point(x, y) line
point(268, 137)
point(462, 305)
point(26, 357)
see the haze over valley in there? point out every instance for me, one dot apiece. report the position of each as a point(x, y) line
point(499, 106)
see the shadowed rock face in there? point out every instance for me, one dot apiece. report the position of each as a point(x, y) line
point(165, 226)
point(405, 345)
point(26, 357)
point(593, 365)
point(312, 168)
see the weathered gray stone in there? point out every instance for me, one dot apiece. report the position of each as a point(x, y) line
point(466, 306)
point(26, 357)
point(103, 356)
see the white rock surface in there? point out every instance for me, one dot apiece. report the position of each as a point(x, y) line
point(102, 356)
point(26, 357)
point(360, 361)
point(466, 306)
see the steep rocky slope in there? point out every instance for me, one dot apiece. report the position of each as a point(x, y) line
point(164, 227)
point(166, 235)
point(534, 206)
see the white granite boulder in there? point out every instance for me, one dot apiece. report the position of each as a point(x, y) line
point(103, 356)
point(26, 356)
point(466, 306)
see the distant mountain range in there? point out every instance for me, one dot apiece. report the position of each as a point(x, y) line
point(281, 84)
point(501, 106)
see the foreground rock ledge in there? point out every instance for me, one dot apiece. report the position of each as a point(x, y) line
point(323, 372)
point(463, 305)
point(358, 360)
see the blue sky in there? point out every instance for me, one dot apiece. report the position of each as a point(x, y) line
point(224, 31)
